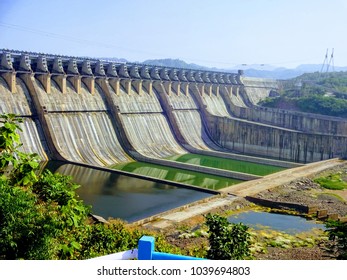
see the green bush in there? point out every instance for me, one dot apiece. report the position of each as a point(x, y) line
point(25, 231)
point(228, 241)
point(331, 182)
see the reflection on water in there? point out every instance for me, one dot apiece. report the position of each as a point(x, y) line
point(280, 222)
point(178, 175)
point(227, 164)
point(124, 197)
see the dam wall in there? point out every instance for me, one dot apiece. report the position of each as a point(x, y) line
point(269, 141)
point(253, 90)
point(105, 113)
point(256, 89)
point(304, 122)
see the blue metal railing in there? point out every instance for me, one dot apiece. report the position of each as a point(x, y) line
point(145, 251)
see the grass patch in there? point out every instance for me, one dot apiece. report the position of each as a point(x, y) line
point(332, 182)
point(331, 195)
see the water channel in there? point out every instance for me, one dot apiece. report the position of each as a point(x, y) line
point(227, 164)
point(178, 175)
point(114, 195)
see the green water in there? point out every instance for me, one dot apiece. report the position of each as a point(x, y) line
point(227, 164)
point(178, 175)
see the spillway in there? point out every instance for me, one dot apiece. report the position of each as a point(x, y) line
point(189, 121)
point(215, 104)
point(20, 103)
point(193, 130)
point(93, 132)
point(145, 124)
point(151, 135)
point(80, 125)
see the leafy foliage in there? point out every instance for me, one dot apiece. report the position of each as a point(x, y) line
point(326, 105)
point(337, 232)
point(18, 167)
point(316, 93)
point(24, 225)
point(227, 241)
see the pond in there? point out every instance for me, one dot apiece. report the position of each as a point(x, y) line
point(280, 222)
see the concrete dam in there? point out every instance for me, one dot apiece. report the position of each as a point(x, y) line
point(105, 114)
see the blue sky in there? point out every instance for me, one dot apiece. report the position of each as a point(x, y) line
point(219, 33)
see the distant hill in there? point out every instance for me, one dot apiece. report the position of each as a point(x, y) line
point(176, 63)
point(114, 59)
point(259, 71)
point(285, 73)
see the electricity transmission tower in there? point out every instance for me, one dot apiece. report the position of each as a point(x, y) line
point(326, 64)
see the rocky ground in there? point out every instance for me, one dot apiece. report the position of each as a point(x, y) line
point(301, 191)
point(305, 191)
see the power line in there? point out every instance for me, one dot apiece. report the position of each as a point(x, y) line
point(115, 47)
point(68, 38)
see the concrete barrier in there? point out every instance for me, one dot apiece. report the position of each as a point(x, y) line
point(321, 214)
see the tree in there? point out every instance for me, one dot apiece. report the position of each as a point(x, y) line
point(228, 241)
